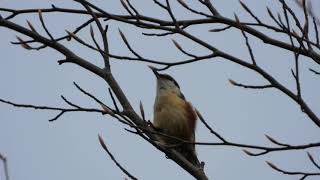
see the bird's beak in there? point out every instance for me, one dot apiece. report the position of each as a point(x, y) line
point(154, 70)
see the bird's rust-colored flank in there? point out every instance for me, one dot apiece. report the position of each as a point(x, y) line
point(192, 116)
point(175, 116)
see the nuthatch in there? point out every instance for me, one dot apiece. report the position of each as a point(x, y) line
point(174, 116)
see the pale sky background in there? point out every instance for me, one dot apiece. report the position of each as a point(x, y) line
point(69, 149)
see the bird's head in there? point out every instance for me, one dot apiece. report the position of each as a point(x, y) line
point(166, 83)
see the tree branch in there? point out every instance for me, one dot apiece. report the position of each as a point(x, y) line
point(5, 166)
point(104, 146)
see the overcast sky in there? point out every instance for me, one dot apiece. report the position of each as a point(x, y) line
point(69, 149)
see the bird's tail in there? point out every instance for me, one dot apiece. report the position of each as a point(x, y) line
point(188, 151)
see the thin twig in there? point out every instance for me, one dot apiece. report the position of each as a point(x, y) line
point(5, 166)
point(134, 10)
point(209, 5)
point(70, 103)
point(103, 33)
point(88, 94)
point(44, 25)
point(182, 50)
point(104, 146)
point(303, 174)
point(220, 29)
point(183, 4)
point(209, 128)
point(314, 71)
point(246, 8)
point(313, 161)
point(247, 42)
point(251, 86)
point(128, 45)
point(113, 100)
point(316, 31)
point(62, 110)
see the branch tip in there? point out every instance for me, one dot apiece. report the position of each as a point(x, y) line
point(142, 111)
point(271, 139)
point(232, 82)
point(123, 37)
point(183, 3)
point(248, 152)
point(23, 43)
point(91, 31)
point(31, 26)
point(272, 165)
point(107, 110)
point(101, 141)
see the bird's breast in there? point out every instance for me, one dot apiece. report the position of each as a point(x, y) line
point(174, 116)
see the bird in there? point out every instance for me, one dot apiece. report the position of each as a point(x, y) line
point(174, 116)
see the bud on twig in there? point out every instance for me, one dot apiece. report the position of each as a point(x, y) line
point(183, 3)
point(273, 166)
point(40, 14)
point(23, 43)
point(31, 26)
point(102, 142)
point(124, 4)
point(248, 152)
point(71, 35)
point(91, 31)
point(237, 19)
point(271, 139)
point(232, 82)
point(142, 111)
point(177, 44)
point(310, 157)
point(107, 110)
point(123, 37)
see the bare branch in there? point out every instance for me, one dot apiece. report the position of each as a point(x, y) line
point(183, 4)
point(220, 29)
point(24, 44)
point(316, 31)
point(5, 166)
point(62, 110)
point(275, 141)
point(274, 19)
point(126, 7)
point(164, 24)
point(209, 128)
point(88, 94)
point(209, 5)
point(314, 71)
point(113, 100)
point(104, 146)
point(70, 103)
point(304, 174)
point(247, 41)
point(31, 26)
point(245, 7)
point(79, 28)
point(102, 32)
point(134, 9)
point(251, 86)
point(313, 161)
point(128, 45)
point(182, 50)
point(142, 111)
point(44, 25)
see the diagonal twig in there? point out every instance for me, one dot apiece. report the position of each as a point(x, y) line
point(5, 164)
point(104, 146)
point(44, 25)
